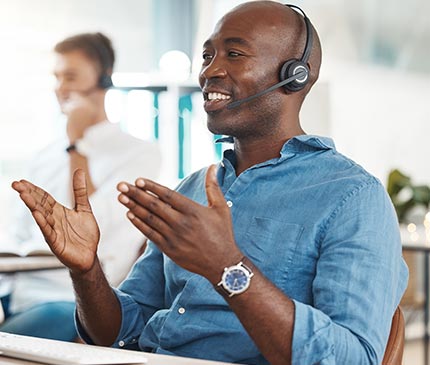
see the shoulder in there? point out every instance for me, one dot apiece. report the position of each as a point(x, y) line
point(353, 175)
point(109, 138)
point(193, 185)
point(322, 164)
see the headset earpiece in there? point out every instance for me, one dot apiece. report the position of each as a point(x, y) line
point(295, 66)
point(294, 73)
point(289, 69)
point(105, 81)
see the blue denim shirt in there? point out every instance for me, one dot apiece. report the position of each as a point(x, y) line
point(319, 227)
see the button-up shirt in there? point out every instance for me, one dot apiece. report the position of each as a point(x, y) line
point(319, 227)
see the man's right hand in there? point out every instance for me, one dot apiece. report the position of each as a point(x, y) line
point(72, 234)
point(82, 111)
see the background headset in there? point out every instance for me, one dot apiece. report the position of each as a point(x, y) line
point(294, 73)
point(105, 58)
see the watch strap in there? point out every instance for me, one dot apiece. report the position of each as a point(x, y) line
point(71, 148)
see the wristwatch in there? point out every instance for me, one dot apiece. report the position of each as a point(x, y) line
point(235, 279)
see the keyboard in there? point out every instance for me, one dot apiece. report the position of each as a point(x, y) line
point(67, 353)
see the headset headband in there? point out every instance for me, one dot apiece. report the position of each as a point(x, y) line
point(309, 34)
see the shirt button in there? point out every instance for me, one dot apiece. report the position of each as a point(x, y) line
point(181, 310)
point(121, 343)
point(229, 203)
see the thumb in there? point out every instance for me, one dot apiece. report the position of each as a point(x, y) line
point(80, 191)
point(213, 191)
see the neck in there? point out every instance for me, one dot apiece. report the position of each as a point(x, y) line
point(101, 115)
point(252, 152)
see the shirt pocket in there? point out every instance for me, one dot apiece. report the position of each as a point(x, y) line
point(271, 245)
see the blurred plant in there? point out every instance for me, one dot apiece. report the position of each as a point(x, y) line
point(406, 196)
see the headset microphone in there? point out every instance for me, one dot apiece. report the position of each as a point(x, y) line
point(294, 74)
point(298, 76)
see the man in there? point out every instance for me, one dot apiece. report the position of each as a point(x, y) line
point(42, 303)
point(287, 253)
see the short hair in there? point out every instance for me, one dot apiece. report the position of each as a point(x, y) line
point(96, 46)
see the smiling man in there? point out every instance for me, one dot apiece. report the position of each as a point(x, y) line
point(287, 252)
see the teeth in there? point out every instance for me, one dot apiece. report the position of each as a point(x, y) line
point(218, 96)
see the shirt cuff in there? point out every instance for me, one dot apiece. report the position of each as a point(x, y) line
point(312, 336)
point(124, 340)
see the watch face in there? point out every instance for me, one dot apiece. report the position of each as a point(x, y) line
point(236, 280)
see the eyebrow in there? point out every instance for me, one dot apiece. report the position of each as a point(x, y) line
point(237, 40)
point(230, 41)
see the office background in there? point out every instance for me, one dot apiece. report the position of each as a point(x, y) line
point(372, 98)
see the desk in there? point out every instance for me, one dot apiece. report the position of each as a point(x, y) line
point(153, 359)
point(425, 250)
point(9, 265)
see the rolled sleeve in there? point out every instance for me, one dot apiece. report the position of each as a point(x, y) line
point(312, 337)
point(132, 320)
point(139, 296)
point(360, 278)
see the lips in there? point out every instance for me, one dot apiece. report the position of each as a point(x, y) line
point(215, 100)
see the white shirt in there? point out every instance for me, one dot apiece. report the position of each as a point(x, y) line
point(113, 156)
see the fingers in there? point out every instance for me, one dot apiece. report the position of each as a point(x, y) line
point(38, 200)
point(41, 205)
point(139, 198)
point(80, 191)
point(40, 195)
point(150, 218)
point(46, 226)
point(168, 196)
point(19, 186)
point(147, 230)
point(42, 216)
point(213, 191)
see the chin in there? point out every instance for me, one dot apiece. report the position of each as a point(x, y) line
point(217, 127)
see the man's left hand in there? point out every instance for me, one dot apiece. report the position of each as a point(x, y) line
point(198, 238)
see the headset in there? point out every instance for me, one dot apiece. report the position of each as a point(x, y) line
point(105, 59)
point(294, 73)
point(293, 66)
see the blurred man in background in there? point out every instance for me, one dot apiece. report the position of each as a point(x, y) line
point(42, 303)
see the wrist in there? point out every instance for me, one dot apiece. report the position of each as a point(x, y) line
point(86, 275)
point(77, 148)
point(215, 273)
point(236, 278)
point(71, 148)
point(75, 138)
point(74, 134)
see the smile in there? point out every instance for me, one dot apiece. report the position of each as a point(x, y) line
point(217, 96)
point(215, 101)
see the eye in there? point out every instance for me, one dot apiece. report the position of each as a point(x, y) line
point(234, 54)
point(207, 56)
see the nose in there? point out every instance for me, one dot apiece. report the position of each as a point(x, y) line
point(61, 88)
point(215, 69)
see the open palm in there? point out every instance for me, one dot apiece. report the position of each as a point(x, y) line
point(72, 234)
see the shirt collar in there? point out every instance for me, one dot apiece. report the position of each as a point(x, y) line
point(302, 142)
point(297, 144)
point(305, 142)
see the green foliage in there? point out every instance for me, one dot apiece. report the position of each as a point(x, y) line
point(405, 195)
